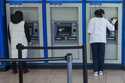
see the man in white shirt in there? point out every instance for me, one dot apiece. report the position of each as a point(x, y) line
point(97, 31)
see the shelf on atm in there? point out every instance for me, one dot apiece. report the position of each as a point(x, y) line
point(35, 38)
point(71, 38)
point(110, 38)
point(59, 38)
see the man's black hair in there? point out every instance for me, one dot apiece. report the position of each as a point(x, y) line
point(99, 13)
point(17, 17)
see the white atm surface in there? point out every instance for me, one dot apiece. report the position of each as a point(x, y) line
point(113, 45)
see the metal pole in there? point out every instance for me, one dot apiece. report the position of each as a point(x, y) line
point(69, 66)
point(85, 72)
point(19, 47)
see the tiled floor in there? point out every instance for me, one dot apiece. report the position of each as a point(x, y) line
point(59, 76)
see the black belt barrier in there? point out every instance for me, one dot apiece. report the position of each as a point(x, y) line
point(67, 58)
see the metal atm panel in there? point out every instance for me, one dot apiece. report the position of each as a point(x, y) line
point(64, 29)
point(113, 45)
point(33, 17)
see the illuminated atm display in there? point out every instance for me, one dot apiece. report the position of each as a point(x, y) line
point(66, 31)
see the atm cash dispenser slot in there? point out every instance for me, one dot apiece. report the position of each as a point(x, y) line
point(65, 31)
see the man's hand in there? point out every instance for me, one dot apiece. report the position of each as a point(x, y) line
point(114, 20)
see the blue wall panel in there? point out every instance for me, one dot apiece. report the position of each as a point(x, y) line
point(45, 43)
point(23, 0)
point(1, 29)
point(43, 0)
point(104, 0)
point(123, 35)
point(3, 50)
point(84, 21)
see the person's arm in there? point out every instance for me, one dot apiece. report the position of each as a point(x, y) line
point(110, 26)
point(90, 27)
point(27, 32)
point(8, 33)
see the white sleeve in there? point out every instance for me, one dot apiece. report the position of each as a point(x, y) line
point(10, 27)
point(90, 26)
point(110, 26)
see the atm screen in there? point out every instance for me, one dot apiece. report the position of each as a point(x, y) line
point(64, 29)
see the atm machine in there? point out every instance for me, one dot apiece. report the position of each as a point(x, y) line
point(64, 25)
point(113, 45)
point(33, 17)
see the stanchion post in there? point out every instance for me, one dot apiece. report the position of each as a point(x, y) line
point(69, 66)
point(85, 71)
point(20, 48)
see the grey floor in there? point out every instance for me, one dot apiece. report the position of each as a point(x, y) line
point(59, 76)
